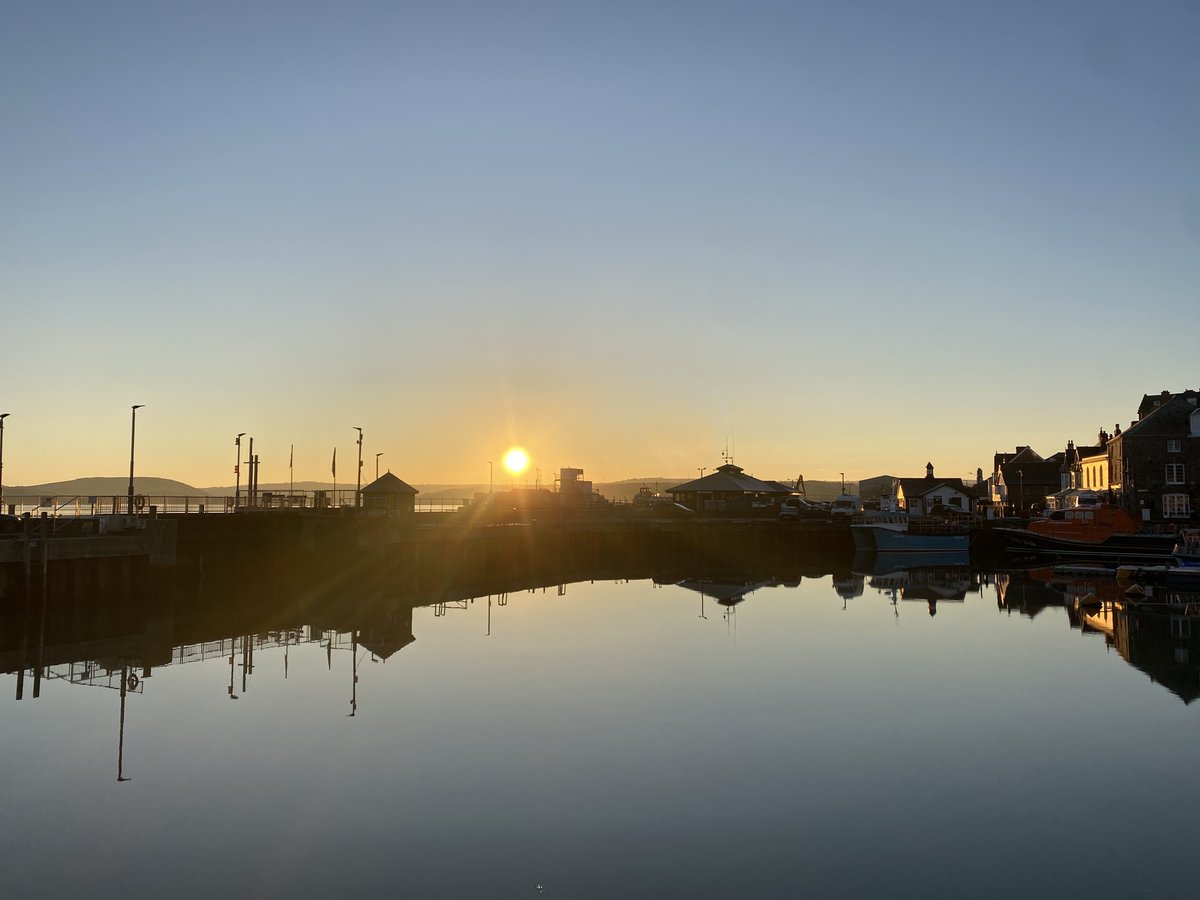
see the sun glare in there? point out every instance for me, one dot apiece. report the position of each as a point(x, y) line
point(515, 460)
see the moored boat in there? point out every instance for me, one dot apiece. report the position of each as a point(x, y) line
point(1186, 551)
point(902, 534)
point(1093, 532)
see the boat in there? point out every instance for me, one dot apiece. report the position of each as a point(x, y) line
point(1186, 551)
point(898, 533)
point(1095, 532)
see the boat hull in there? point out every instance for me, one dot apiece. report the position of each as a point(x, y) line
point(1118, 546)
point(886, 539)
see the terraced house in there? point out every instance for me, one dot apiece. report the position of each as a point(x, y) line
point(1155, 463)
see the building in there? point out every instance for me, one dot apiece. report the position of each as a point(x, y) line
point(877, 487)
point(1072, 490)
point(1155, 463)
point(1023, 480)
point(572, 489)
point(388, 495)
point(730, 489)
point(923, 495)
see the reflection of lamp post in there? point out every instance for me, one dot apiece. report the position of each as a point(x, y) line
point(132, 433)
point(121, 740)
point(237, 470)
point(3, 416)
point(377, 455)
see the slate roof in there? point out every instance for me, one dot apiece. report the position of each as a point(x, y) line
point(920, 487)
point(1151, 402)
point(729, 479)
point(387, 483)
point(1042, 472)
point(1167, 418)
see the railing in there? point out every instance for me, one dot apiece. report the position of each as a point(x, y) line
point(80, 505)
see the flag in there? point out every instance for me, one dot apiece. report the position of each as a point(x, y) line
point(335, 462)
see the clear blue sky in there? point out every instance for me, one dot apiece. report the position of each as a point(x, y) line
point(835, 236)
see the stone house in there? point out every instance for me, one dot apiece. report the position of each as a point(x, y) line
point(1155, 463)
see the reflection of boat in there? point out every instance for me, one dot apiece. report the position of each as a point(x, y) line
point(869, 562)
point(919, 576)
point(1182, 578)
point(899, 533)
point(1100, 531)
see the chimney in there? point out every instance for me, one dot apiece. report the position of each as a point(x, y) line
point(928, 470)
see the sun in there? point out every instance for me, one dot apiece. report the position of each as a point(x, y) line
point(515, 460)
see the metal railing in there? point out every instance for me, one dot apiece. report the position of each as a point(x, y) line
point(56, 506)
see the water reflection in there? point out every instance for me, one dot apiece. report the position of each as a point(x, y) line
point(117, 639)
point(600, 706)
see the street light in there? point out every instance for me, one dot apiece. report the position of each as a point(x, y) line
point(3, 416)
point(358, 483)
point(132, 433)
point(377, 455)
point(237, 470)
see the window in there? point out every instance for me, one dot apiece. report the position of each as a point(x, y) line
point(1174, 473)
point(1176, 506)
point(1174, 445)
point(956, 502)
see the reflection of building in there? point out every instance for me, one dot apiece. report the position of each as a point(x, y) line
point(727, 593)
point(1165, 644)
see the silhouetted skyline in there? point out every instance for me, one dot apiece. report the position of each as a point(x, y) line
point(826, 237)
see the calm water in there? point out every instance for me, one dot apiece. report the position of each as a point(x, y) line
point(617, 740)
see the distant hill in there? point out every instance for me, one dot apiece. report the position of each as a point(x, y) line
point(105, 486)
point(117, 486)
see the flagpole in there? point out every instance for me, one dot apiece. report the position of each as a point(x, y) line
point(291, 471)
point(335, 503)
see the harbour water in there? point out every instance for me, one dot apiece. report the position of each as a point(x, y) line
point(961, 735)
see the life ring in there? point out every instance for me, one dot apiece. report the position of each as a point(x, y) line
point(132, 681)
point(139, 501)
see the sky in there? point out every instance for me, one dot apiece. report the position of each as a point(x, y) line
point(821, 237)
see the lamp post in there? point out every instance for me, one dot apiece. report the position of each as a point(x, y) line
point(377, 455)
point(700, 469)
point(3, 416)
point(237, 470)
point(358, 483)
point(132, 434)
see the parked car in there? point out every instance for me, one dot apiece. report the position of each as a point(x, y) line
point(797, 508)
